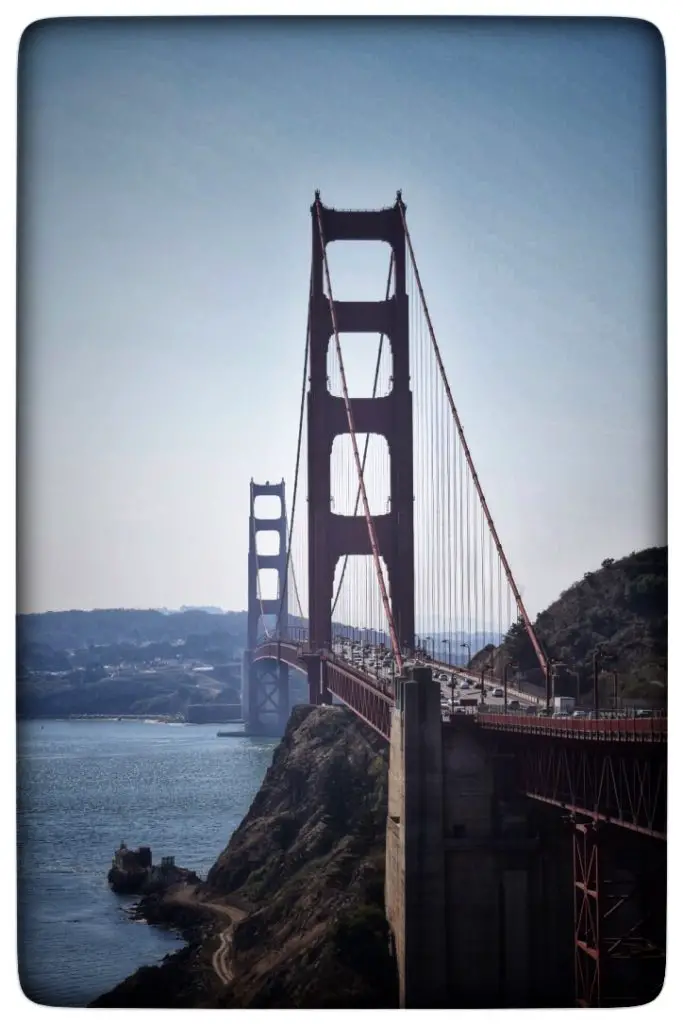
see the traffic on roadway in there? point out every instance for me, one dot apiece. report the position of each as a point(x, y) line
point(461, 690)
point(459, 694)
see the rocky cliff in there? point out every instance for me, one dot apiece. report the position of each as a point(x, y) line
point(302, 879)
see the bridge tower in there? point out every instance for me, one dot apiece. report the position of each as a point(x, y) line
point(265, 684)
point(331, 536)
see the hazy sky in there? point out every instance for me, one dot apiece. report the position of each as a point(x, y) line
point(167, 170)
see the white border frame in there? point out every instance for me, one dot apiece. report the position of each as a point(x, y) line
point(13, 20)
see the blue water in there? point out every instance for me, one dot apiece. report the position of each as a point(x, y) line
point(83, 787)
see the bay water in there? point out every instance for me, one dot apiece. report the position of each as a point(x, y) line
point(83, 786)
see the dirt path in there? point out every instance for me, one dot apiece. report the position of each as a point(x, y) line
point(220, 960)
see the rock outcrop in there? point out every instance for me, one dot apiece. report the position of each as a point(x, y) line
point(307, 864)
point(132, 871)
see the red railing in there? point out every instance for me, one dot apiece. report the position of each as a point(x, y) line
point(626, 730)
point(368, 700)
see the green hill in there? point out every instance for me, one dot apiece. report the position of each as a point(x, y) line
point(623, 605)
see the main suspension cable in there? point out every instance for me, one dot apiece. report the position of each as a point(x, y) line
point(468, 456)
point(356, 455)
point(297, 465)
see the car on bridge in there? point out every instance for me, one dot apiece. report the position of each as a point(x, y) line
point(498, 692)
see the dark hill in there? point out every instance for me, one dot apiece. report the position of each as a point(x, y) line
point(310, 856)
point(623, 605)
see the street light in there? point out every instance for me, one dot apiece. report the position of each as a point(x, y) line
point(448, 641)
point(598, 658)
point(577, 674)
point(426, 640)
point(596, 674)
point(469, 652)
point(508, 665)
point(549, 682)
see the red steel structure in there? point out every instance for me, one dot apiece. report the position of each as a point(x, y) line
point(266, 685)
point(332, 536)
point(369, 699)
point(606, 776)
point(619, 920)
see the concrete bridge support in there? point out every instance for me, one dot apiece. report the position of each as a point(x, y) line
point(318, 693)
point(467, 901)
point(415, 864)
point(265, 695)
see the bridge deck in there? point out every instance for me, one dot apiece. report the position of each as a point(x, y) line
point(372, 698)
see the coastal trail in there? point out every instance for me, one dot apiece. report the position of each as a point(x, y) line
point(187, 896)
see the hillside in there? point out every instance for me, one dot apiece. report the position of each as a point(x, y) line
point(623, 605)
point(126, 662)
point(81, 630)
point(307, 864)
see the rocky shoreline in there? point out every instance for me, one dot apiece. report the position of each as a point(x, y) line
point(291, 914)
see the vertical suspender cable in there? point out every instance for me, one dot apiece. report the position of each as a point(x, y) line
point(508, 572)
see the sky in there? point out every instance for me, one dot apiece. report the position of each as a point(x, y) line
point(166, 174)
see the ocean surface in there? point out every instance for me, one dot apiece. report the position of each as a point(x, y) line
point(83, 786)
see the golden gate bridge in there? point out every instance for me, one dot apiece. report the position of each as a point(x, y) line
point(393, 550)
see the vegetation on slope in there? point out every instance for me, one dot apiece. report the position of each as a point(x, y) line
point(307, 862)
point(310, 856)
point(623, 606)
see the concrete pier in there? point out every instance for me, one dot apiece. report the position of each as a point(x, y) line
point(474, 918)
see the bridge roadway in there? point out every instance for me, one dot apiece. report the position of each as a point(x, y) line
point(371, 696)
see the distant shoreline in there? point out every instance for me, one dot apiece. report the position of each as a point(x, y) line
point(162, 719)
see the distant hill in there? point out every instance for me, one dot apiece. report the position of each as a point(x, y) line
point(126, 661)
point(73, 630)
point(623, 605)
point(210, 609)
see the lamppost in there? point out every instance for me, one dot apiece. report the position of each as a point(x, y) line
point(448, 641)
point(576, 673)
point(549, 683)
point(508, 665)
point(615, 699)
point(597, 659)
point(452, 686)
point(469, 652)
point(426, 641)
